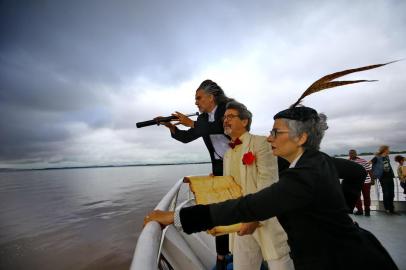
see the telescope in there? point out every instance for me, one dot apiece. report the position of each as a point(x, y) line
point(161, 120)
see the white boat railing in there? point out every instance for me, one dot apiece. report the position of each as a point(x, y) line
point(147, 251)
point(397, 191)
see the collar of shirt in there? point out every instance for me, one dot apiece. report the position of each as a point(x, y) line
point(293, 164)
point(244, 136)
point(211, 114)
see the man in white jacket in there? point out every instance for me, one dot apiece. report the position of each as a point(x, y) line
point(252, 165)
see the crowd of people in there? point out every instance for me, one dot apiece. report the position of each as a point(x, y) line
point(294, 211)
point(379, 170)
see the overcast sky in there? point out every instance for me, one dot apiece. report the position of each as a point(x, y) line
point(75, 76)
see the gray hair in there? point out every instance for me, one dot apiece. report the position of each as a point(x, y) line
point(212, 88)
point(314, 127)
point(243, 112)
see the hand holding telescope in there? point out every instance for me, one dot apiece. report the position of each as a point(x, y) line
point(158, 120)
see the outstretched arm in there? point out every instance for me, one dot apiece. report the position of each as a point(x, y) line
point(295, 190)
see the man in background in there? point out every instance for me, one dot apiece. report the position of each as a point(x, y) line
point(366, 187)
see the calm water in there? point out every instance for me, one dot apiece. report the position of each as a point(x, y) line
point(79, 218)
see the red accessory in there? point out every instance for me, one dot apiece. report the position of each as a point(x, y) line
point(235, 143)
point(248, 158)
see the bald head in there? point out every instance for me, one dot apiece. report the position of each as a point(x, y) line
point(352, 154)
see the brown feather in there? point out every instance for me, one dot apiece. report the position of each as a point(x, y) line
point(326, 81)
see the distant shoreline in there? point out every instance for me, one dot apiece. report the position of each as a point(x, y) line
point(371, 154)
point(102, 166)
point(155, 164)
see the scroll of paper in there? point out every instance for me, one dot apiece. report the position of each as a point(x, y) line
point(215, 189)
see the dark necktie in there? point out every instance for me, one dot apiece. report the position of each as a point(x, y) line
point(235, 143)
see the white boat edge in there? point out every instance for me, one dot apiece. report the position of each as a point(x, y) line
point(179, 250)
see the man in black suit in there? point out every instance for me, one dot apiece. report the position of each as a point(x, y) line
point(211, 101)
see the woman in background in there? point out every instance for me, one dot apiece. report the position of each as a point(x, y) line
point(401, 172)
point(382, 170)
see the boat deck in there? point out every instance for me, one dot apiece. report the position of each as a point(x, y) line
point(390, 230)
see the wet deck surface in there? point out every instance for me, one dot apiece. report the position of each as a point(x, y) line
point(390, 230)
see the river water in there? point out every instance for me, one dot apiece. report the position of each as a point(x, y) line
point(79, 218)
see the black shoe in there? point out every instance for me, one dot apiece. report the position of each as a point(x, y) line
point(359, 213)
point(393, 212)
point(367, 213)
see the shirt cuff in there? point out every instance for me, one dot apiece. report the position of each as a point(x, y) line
point(176, 220)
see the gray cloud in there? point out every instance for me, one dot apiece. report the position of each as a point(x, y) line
point(75, 76)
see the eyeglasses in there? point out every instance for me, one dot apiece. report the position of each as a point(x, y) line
point(274, 132)
point(229, 117)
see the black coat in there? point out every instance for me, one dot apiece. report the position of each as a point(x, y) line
point(309, 203)
point(203, 128)
point(352, 174)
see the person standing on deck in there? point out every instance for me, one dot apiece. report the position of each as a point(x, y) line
point(382, 170)
point(366, 188)
point(211, 101)
point(250, 162)
point(401, 172)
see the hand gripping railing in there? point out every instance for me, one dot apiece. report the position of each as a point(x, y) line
point(147, 251)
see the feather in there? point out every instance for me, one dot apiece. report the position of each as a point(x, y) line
point(326, 81)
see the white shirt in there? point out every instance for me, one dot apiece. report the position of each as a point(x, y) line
point(211, 114)
point(293, 164)
point(219, 141)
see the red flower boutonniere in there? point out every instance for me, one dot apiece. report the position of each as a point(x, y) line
point(248, 158)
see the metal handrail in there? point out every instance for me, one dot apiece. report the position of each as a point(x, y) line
point(378, 192)
point(147, 251)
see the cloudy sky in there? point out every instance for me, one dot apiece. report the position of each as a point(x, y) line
point(75, 76)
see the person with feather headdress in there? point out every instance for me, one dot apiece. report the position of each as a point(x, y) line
point(308, 200)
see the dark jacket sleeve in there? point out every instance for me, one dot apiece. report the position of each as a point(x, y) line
point(281, 197)
point(195, 218)
point(192, 134)
point(201, 128)
point(185, 136)
point(353, 176)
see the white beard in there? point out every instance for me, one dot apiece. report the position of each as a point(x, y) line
point(227, 131)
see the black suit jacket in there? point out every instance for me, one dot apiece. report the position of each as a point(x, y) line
point(203, 128)
point(309, 204)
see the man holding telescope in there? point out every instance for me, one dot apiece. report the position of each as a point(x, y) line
point(211, 102)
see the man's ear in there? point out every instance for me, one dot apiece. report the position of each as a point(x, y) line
point(211, 97)
point(245, 122)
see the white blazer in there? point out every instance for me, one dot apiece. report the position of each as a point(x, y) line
point(261, 173)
